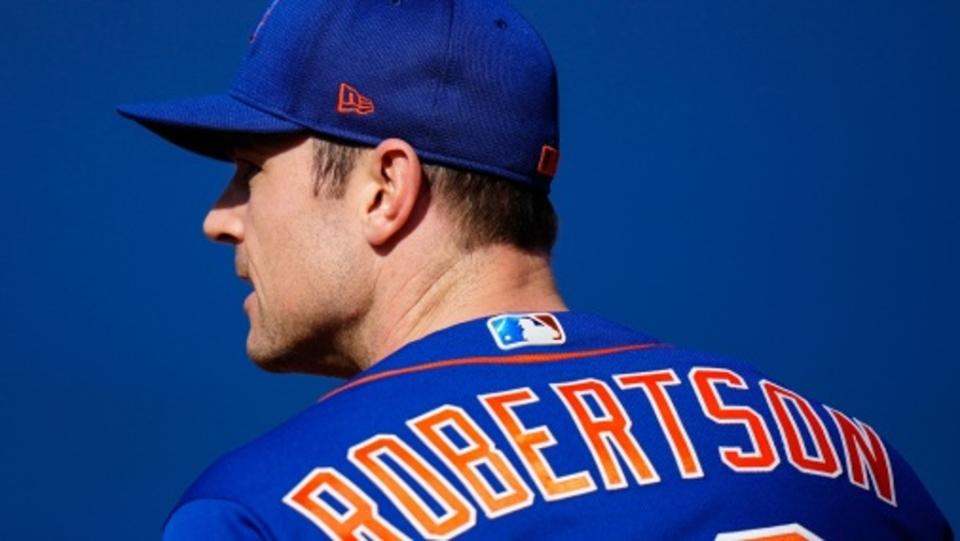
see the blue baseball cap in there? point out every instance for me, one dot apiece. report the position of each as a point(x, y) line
point(468, 83)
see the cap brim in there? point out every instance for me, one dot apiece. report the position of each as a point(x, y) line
point(208, 125)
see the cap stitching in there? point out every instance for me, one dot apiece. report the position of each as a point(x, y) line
point(263, 21)
point(448, 61)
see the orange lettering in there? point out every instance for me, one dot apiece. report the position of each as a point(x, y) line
point(788, 532)
point(764, 456)
point(606, 434)
point(865, 455)
point(823, 461)
point(359, 521)
point(457, 515)
point(465, 461)
point(528, 442)
point(654, 385)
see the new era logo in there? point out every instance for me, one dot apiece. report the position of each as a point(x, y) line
point(517, 330)
point(549, 160)
point(351, 100)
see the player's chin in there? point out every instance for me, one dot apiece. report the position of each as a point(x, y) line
point(272, 359)
point(303, 357)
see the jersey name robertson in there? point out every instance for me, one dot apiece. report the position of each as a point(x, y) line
point(561, 426)
point(424, 488)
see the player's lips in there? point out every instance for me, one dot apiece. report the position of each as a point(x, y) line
point(243, 274)
point(246, 278)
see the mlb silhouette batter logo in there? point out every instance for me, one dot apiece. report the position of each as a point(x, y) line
point(518, 330)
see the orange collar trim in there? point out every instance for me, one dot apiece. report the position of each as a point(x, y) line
point(511, 359)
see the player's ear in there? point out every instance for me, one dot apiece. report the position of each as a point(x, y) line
point(391, 194)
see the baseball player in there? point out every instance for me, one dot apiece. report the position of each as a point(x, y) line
point(390, 210)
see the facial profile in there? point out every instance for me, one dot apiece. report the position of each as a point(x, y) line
point(294, 248)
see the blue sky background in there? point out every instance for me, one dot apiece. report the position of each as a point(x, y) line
point(774, 181)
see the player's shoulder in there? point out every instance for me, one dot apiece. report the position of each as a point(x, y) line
point(697, 428)
point(246, 486)
point(261, 462)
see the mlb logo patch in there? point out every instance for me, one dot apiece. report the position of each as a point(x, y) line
point(518, 330)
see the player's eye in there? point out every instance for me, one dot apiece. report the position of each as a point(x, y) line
point(246, 170)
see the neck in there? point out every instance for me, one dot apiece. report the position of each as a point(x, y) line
point(460, 287)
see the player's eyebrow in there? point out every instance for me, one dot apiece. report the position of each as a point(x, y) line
point(247, 148)
point(262, 146)
point(245, 155)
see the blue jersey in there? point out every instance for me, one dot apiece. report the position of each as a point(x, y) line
point(560, 426)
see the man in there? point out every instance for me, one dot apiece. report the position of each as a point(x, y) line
point(390, 209)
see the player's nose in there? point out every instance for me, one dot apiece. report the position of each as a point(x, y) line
point(224, 221)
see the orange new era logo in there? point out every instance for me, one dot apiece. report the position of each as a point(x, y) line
point(549, 160)
point(352, 101)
